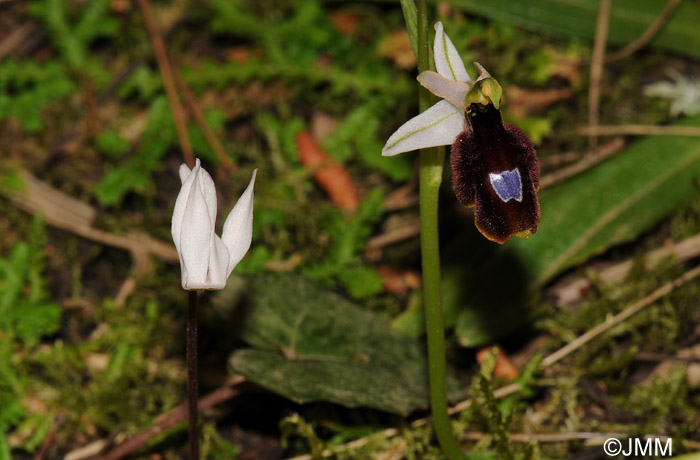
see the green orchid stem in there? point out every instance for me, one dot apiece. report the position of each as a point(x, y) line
point(192, 390)
point(431, 163)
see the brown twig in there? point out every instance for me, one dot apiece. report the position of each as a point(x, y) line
point(394, 236)
point(597, 63)
point(209, 136)
point(569, 292)
point(650, 357)
point(599, 155)
point(402, 198)
point(49, 437)
point(166, 73)
point(620, 317)
point(87, 451)
point(556, 160)
point(169, 420)
point(65, 212)
point(15, 39)
point(639, 130)
point(651, 31)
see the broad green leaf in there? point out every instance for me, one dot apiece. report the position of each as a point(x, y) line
point(577, 19)
point(344, 381)
point(311, 344)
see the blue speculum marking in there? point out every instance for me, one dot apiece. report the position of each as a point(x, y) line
point(507, 185)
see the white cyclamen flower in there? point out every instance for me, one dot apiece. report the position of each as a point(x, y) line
point(443, 122)
point(206, 260)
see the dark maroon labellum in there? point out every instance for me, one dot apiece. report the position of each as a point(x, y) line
point(495, 168)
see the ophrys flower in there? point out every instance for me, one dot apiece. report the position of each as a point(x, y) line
point(494, 164)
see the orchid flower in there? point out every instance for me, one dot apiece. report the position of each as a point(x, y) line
point(206, 260)
point(494, 165)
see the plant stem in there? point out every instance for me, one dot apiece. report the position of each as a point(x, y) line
point(192, 390)
point(431, 161)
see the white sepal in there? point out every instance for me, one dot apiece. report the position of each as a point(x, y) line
point(447, 60)
point(439, 125)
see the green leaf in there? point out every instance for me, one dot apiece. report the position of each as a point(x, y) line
point(26, 317)
point(143, 83)
point(314, 345)
point(26, 88)
point(577, 19)
point(73, 38)
point(119, 181)
point(112, 144)
point(361, 282)
point(348, 236)
point(135, 173)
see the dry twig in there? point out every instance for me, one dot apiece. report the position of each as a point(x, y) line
point(65, 212)
point(15, 39)
point(639, 130)
point(166, 72)
point(596, 156)
point(198, 116)
point(169, 420)
point(393, 236)
point(569, 292)
point(620, 317)
point(597, 63)
point(651, 31)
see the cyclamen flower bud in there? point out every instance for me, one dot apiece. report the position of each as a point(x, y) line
point(206, 260)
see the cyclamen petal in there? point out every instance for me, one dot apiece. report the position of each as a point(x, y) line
point(448, 62)
point(238, 228)
point(194, 240)
point(439, 125)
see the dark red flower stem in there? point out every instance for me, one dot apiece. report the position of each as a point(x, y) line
point(192, 390)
